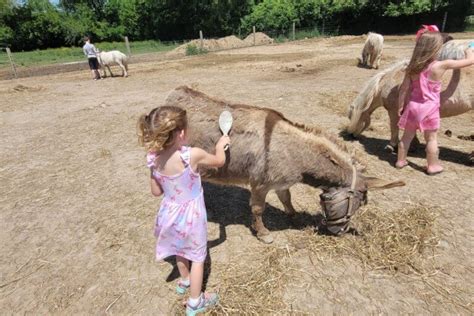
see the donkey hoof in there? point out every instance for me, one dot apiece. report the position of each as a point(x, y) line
point(267, 239)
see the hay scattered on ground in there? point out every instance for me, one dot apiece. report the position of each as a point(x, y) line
point(251, 286)
point(395, 241)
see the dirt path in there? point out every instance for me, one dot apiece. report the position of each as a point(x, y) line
point(76, 214)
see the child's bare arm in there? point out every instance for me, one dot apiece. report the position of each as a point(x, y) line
point(402, 94)
point(442, 66)
point(155, 187)
point(201, 157)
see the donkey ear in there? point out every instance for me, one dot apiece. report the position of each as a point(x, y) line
point(380, 184)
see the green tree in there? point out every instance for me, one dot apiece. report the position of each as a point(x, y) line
point(123, 16)
point(271, 14)
point(6, 33)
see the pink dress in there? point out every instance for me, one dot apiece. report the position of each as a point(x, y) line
point(181, 223)
point(422, 110)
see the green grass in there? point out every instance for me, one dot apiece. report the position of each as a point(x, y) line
point(72, 54)
point(192, 49)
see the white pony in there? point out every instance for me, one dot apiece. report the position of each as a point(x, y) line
point(372, 52)
point(106, 59)
point(382, 90)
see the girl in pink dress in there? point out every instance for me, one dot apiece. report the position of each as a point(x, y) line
point(181, 223)
point(423, 83)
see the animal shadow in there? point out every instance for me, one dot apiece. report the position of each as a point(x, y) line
point(229, 205)
point(376, 146)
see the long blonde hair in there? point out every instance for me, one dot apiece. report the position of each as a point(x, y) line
point(156, 131)
point(426, 50)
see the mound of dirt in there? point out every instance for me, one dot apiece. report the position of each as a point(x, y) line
point(260, 39)
point(211, 45)
point(223, 43)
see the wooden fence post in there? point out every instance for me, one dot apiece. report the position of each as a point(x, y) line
point(9, 53)
point(254, 36)
point(201, 37)
point(294, 31)
point(127, 44)
point(444, 20)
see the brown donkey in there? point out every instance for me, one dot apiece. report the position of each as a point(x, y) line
point(269, 152)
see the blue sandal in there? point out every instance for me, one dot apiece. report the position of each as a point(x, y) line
point(206, 301)
point(182, 288)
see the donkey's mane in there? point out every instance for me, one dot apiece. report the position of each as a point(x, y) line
point(364, 99)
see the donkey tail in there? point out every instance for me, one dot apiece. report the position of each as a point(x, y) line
point(364, 105)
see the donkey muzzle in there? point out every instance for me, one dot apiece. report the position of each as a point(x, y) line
point(339, 206)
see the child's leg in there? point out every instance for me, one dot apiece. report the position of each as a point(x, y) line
point(431, 138)
point(196, 276)
point(183, 267)
point(199, 302)
point(403, 146)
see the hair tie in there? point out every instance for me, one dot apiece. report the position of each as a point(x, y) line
point(426, 28)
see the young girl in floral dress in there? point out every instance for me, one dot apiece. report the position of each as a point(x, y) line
point(181, 224)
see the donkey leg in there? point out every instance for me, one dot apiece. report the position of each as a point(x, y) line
point(124, 71)
point(285, 197)
point(111, 74)
point(257, 203)
point(379, 57)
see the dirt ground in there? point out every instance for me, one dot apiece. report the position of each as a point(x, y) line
point(77, 217)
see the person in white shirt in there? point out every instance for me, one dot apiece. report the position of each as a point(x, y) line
point(91, 52)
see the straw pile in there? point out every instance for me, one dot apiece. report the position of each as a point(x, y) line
point(395, 241)
point(255, 284)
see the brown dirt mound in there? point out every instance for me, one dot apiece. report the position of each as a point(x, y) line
point(260, 39)
point(211, 45)
point(223, 43)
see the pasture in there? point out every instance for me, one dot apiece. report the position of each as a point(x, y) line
point(77, 217)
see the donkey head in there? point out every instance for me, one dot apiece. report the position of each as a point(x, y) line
point(340, 203)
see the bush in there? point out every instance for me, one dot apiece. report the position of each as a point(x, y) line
point(271, 14)
point(192, 49)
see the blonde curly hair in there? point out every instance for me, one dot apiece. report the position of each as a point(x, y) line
point(156, 131)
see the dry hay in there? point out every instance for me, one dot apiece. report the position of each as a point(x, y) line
point(260, 39)
point(251, 289)
point(395, 241)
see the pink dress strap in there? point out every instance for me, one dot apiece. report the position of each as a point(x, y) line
point(185, 155)
point(150, 159)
